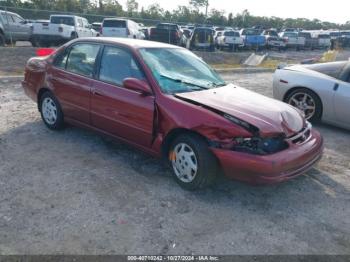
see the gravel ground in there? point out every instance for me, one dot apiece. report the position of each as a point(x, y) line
point(75, 192)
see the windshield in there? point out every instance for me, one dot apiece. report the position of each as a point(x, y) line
point(179, 70)
point(114, 23)
point(231, 33)
point(289, 34)
point(64, 20)
point(250, 32)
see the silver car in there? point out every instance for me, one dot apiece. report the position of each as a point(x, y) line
point(13, 28)
point(321, 91)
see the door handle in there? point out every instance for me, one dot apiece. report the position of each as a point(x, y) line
point(96, 93)
point(336, 86)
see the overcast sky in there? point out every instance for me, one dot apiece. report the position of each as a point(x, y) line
point(333, 11)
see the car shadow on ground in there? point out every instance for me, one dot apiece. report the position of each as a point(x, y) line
point(151, 168)
point(75, 177)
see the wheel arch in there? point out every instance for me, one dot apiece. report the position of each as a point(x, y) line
point(173, 134)
point(40, 93)
point(303, 87)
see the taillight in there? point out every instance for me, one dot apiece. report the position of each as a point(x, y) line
point(177, 35)
point(60, 29)
point(44, 51)
point(100, 30)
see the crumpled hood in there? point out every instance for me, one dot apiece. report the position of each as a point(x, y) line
point(270, 116)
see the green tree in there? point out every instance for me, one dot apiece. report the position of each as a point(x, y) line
point(132, 7)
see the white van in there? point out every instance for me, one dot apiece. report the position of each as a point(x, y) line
point(116, 27)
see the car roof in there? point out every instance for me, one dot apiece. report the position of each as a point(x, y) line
point(115, 19)
point(133, 43)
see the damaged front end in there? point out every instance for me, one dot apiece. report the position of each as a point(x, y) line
point(252, 145)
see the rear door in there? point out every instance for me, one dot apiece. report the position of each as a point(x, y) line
point(118, 111)
point(71, 79)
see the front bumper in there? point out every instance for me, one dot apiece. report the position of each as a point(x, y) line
point(274, 168)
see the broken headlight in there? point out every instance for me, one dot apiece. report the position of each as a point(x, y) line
point(259, 146)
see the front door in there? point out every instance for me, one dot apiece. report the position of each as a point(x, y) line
point(116, 110)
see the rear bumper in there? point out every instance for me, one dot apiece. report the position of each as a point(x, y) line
point(50, 38)
point(275, 168)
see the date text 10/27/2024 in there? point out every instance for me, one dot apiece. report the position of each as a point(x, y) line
point(172, 258)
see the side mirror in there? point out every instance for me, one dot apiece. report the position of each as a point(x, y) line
point(137, 85)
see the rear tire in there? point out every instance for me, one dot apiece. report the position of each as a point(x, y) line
point(74, 35)
point(194, 165)
point(51, 112)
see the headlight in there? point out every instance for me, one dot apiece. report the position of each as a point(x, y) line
point(259, 146)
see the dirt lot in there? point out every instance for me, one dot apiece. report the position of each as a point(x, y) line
point(75, 192)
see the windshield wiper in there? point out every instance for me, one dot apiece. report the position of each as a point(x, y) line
point(184, 82)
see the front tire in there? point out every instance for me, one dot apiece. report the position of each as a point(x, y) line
point(308, 102)
point(194, 165)
point(51, 112)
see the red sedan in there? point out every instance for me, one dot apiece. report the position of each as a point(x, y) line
point(166, 101)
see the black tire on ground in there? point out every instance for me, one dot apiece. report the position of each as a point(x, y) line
point(74, 35)
point(318, 104)
point(34, 42)
point(2, 40)
point(206, 162)
point(59, 123)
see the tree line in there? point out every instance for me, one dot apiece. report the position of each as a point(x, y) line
point(195, 12)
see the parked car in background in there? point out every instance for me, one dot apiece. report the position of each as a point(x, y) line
point(118, 27)
point(168, 33)
point(345, 38)
point(217, 34)
point(61, 29)
point(13, 28)
point(146, 32)
point(293, 40)
point(231, 40)
point(321, 91)
point(324, 40)
point(202, 39)
point(166, 101)
point(252, 38)
point(273, 40)
point(187, 32)
point(310, 42)
point(97, 27)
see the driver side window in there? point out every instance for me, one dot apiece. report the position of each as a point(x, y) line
point(118, 64)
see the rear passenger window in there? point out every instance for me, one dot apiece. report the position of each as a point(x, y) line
point(118, 64)
point(81, 59)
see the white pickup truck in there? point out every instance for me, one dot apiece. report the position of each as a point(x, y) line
point(61, 29)
point(230, 39)
point(292, 39)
